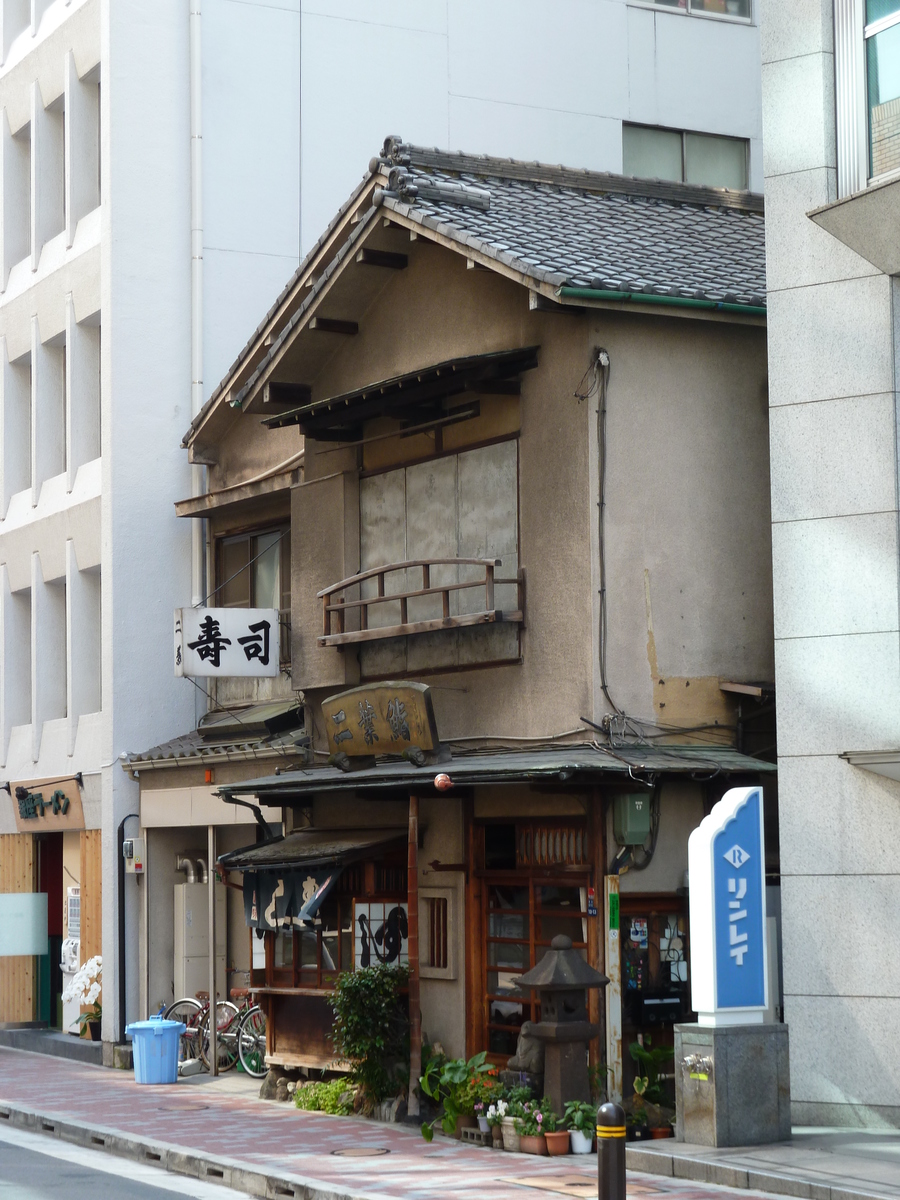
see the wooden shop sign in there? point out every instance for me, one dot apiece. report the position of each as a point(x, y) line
point(47, 806)
point(381, 718)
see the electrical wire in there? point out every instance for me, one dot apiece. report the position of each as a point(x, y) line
point(240, 570)
point(600, 385)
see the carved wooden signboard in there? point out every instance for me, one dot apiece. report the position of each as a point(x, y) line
point(47, 807)
point(380, 718)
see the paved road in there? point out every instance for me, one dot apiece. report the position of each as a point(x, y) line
point(33, 1167)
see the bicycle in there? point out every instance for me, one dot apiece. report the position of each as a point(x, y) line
point(194, 1042)
point(240, 1032)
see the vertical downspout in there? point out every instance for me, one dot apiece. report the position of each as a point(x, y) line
point(198, 526)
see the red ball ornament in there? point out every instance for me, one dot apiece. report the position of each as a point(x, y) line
point(443, 782)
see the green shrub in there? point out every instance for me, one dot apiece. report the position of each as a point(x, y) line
point(371, 1029)
point(335, 1097)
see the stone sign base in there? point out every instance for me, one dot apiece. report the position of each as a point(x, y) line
point(732, 1084)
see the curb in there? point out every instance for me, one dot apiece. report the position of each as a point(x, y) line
point(700, 1169)
point(180, 1161)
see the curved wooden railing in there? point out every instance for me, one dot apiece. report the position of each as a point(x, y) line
point(336, 607)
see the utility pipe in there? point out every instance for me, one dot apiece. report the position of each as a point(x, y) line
point(198, 533)
point(213, 996)
point(581, 293)
point(412, 952)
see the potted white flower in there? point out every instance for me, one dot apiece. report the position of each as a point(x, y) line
point(84, 989)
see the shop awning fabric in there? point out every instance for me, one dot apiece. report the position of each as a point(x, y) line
point(573, 766)
point(286, 879)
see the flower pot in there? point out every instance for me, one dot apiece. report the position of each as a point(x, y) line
point(558, 1142)
point(93, 1031)
point(483, 1124)
point(642, 1133)
point(510, 1137)
point(665, 1131)
point(464, 1121)
point(532, 1144)
point(580, 1143)
point(497, 1137)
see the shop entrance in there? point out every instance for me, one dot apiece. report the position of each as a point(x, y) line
point(655, 982)
point(535, 886)
point(50, 880)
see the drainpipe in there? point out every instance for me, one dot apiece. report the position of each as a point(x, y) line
point(198, 473)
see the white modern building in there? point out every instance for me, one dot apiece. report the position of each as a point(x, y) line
point(611, 85)
point(831, 99)
point(133, 257)
point(162, 167)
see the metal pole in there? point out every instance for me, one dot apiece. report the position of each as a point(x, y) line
point(213, 1029)
point(610, 1152)
point(412, 951)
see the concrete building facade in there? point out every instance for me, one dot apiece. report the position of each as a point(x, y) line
point(833, 429)
point(127, 263)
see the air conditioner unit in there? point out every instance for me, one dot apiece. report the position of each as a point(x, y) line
point(73, 912)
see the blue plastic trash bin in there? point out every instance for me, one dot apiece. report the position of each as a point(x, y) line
point(155, 1049)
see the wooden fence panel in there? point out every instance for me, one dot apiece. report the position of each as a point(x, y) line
point(18, 978)
point(91, 894)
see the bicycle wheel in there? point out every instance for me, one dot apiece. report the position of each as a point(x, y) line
point(252, 1042)
point(190, 1012)
point(227, 1022)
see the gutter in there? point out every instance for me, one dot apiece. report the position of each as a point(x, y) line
point(581, 293)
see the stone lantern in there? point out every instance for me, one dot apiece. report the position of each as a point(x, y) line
point(561, 980)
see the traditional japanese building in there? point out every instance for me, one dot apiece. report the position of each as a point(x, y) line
point(530, 585)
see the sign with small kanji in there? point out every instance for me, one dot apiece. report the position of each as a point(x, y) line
point(381, 718)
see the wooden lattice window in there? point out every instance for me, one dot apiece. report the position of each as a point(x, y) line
point(437, 932)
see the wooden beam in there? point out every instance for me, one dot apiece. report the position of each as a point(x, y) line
point(388, 631)
point(333, 325)
point(539, 303)
point(286, 395)
point(495, 387)
point(412, 953)
point(382, 258)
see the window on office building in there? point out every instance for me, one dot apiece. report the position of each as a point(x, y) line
point(741, 10)
point(867, 77)
point(683, 157)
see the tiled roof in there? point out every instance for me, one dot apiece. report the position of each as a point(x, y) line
point(581, 229)
point(552, 225)
point(282, 737)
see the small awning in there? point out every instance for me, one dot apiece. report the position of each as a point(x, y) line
point(307, 848)
point(403, 397)
point(879, 762)
point(575, 766)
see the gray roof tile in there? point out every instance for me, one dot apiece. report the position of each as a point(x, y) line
point(668, 244)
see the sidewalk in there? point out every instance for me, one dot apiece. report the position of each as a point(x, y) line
point(219, 1130)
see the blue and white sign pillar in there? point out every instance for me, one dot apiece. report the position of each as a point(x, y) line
point(727, 872)
point(732, 1070)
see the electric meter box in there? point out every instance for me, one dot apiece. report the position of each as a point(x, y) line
point(631, 819)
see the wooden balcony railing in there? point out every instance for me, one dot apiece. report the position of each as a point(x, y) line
point(338, 611)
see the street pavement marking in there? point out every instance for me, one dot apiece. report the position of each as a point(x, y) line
point(123, 1168)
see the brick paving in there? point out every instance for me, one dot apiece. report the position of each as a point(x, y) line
point(219, 1119)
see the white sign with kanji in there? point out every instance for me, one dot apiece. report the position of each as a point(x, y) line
point(226, 641)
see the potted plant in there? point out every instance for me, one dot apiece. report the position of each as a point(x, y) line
point(494, 1115)
point(530, 1128)
point(84, 988)
point(581, 1121)
point(450, 1083)
point(648, 1106)
point(556, 1137)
